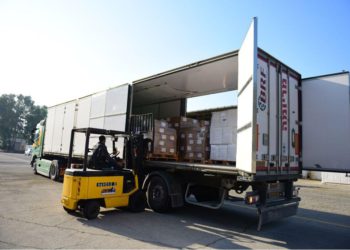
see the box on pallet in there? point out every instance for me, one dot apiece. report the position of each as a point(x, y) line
point(194, 143)
point(179, 122)
point(223, 135)
point(223, 152)
point(165, 138)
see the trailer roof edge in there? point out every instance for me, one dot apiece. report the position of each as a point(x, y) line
point(188, 66)
point(326, 75)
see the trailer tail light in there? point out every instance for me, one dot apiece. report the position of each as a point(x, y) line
point(251, 198)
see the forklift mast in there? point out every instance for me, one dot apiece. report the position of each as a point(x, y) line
point(134, 148)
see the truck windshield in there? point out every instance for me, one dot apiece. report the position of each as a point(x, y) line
point(36, 135)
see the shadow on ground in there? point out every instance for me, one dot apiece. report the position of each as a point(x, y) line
point(229, 227)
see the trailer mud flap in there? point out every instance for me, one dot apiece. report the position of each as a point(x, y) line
point(272, 213)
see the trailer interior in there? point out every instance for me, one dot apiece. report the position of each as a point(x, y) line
point(165, 95)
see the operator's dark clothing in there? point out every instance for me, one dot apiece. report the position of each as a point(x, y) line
point(101, 159)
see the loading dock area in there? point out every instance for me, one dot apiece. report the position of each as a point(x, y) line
point(31, 219)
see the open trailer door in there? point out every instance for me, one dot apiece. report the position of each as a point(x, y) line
point(268, 122)
point(246, 119)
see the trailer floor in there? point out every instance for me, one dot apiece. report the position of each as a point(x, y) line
point(31, 217)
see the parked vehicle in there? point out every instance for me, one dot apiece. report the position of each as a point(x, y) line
point(268, 156)
point(28, 150)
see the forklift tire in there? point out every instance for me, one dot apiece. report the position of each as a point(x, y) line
point(91, 209)
point(137, 202)
point(70, 211)
point(54, 171)
point(157, 195)
point(34, 168)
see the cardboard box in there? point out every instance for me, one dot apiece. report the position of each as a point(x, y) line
point(179, 122)
point(223, 135)
point(164, 139)
point(223, 152)
point(194, 143)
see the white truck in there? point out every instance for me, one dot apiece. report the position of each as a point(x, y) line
point(268, 156)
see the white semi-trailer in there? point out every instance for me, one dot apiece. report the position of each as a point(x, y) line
point(268, 156)
point(326, 126)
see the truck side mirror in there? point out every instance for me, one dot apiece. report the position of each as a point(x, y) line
point(32, 135)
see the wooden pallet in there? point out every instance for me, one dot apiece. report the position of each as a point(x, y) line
point(163, 157)
point(225, 163)
point(201, 161)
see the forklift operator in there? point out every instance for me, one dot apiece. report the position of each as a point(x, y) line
point(101, 159)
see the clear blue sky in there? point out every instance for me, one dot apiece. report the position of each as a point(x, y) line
point(60, 50)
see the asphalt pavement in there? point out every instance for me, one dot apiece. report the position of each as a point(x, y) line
point(31, 216)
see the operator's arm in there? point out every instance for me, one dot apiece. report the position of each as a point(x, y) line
point(105, 153)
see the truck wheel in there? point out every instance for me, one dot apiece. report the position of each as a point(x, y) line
point(54, 171)
point(91, 209)
point(157, 195)
point(137, 202)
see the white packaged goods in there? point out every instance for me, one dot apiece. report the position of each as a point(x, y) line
point(229, 135)
point(335, 178)
point(215, 135)
point(214, 152)
point(231, 152)
point(223, 128)
point(223, 135)
point(223, 152)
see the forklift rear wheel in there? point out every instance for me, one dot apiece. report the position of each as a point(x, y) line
point(157, 195)
point(137, 202)
point(91, 209)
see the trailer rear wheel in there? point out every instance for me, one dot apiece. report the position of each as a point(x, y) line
point(54, 171)
point(157, 195)
point(91, 209)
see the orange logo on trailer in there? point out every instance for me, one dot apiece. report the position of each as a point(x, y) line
point(284, 105)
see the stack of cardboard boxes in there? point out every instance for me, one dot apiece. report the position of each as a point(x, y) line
point(193, 142)
point(223, 135)
point(191, 139)
point(165, 139)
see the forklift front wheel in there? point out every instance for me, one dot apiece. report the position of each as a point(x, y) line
point(137, 202)
point(34, 168)
point(91, 209)
point(70, 211)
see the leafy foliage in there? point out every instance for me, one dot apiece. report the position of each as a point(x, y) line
point(18, 117)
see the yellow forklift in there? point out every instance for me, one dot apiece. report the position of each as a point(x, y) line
point(87, 188)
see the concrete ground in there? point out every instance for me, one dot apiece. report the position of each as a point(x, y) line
point(31, 216)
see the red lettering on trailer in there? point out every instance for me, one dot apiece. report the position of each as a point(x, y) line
point(262, 96)
point(284, 106)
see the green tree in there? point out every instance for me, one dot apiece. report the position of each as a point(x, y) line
point(18, 116)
